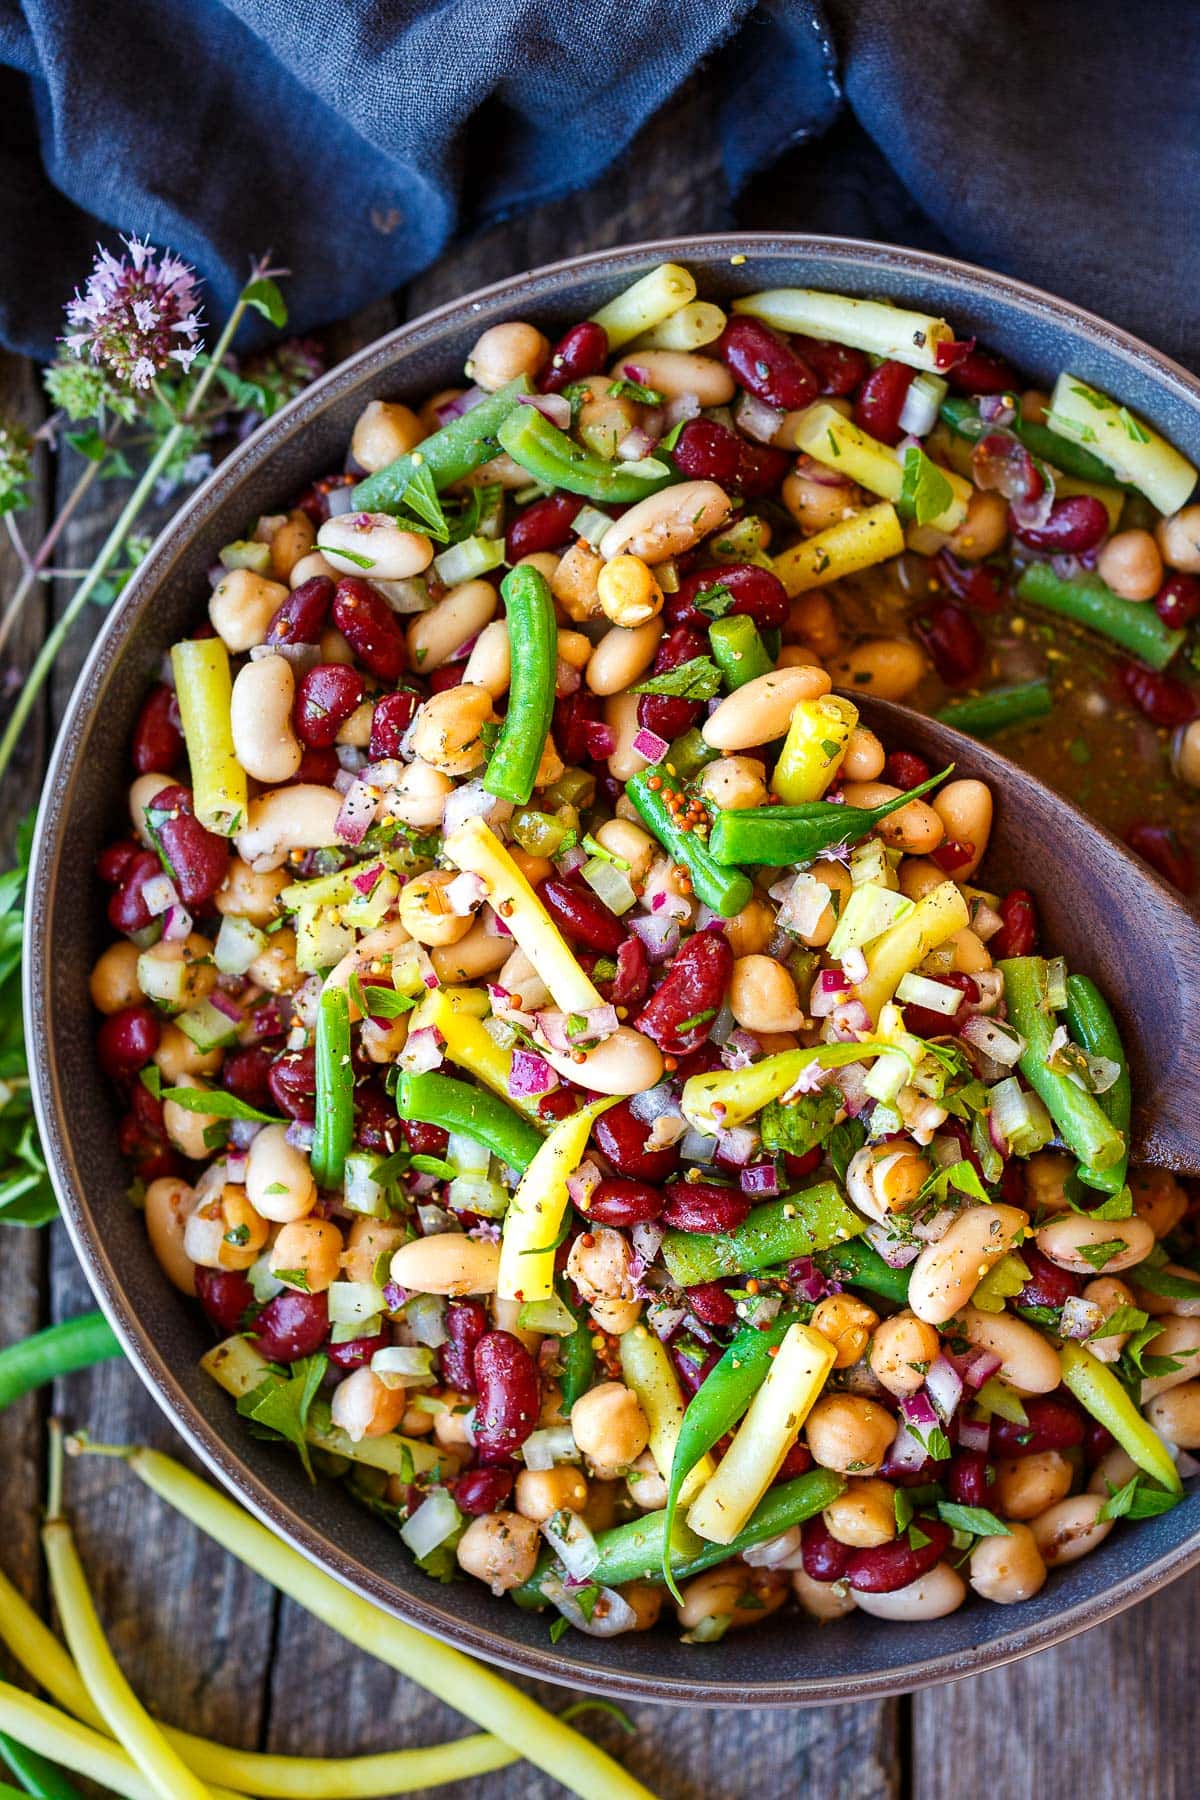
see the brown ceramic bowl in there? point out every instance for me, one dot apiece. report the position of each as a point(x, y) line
point(785, 1661)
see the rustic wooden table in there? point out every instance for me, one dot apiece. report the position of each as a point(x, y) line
point(212, 1648)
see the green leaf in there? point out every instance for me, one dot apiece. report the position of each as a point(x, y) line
point(378, 1002)
point(1170, 1287)
point(280, 1404)
point(924, 491)
point(903, 1508)
point(714, 602)
point(218, 1104)
point(843, 1144)
point(1100, 1255)
point(1118, 1206)
point(420, 496)
point(802, 1123)
point(975, 1519)
point(1123, 1318)
point(698, 679)
point(90, 444)
point(265, 297)
point(1140, 1498)
point(634, 390)
point(960, 1176)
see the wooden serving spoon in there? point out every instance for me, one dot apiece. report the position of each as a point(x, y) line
point(1101, 908)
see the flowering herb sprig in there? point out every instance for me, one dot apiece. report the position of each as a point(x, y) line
point(133, 385)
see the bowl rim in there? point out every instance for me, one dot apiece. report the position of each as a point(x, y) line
point(493, 1645)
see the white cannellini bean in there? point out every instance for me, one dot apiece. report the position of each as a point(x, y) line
point(261, 720)
point(372, 544)
point(290, 818)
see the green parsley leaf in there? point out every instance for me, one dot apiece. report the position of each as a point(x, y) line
point(352, 556)
point(624, 388)
point(801, 1124)
point(559, 1628)
point(378, 1002)
point(1118, 1206)
point(902, 1506)
point(917, 1538)
point(698, 679)
point(1100, 1255)
point(433, 1165)
point(924, 491)
point(264, 296)
point(714, 602)
point(1140, 1498)
point(218, 1104)
point(280, 1404)
point(1170, 1287)
point(1123, 1318)
point(421, 498)
point(975, 1519)
point(844, 1143)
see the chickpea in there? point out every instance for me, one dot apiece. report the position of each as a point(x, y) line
point(1177, 1415)
point(1131, 566)
point(628, 593)
point(734, 783)
point(550, 765)
point(291, 543)
point(984, 529)
point(610, 1426)
point(812, 625)
point(477, 953)
point(174, 975)
point(168, 1204)
point(849, 1433)
point(447, 729)
point(734, 1593)
point(600, 1513)
point(864, 756)
point(817, 503)
point(1113, 1471)
point(633, 845)
point(540, 1493)
point(889, 668)
point(902, 1351)
point(824, 1601)
point(383, 431)
point(762, 995)
point(362, 1405)
point(1158, 1200)
point(965, 809)
point(969, 954)
point(864, 1515)
point(645, 1486)
point(242, 1232)
point(848, 1324)
point(113, 983)
point(333, 646)
point(356, 730)
point(504, 352)
point(307, 1254)
point(1185, 758)
point(499, 1548)
point(1008, 1569)
point(1027, 1485)
point(1035, 405)
point(366, 1241)
point(916, 828)
point(886, 1178)
point(646, 1602)
point(250, 894)
point(451, 1428)
point(425, 912)
point(1046, 1175)
point(420, 795)
point(275, 968)
point(750, 930)
point(1069, 1529)
point(919, 876)
point(1179, 540)
point(187, 1130)
point(575, 582)
point(142, 794)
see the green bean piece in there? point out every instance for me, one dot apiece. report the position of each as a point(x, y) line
point(1085, 1127)
point(1137, 628)
point(335, 1090)
point(726, 891)
point(858, 1264)
point(449, 455)
point(75, 1344)
point(1092, 1025)
point(576, 1353)
point(689, 754)
point(783, 836)
point(435, 1099)
point(796, 1225)
point(1100, 1393)
point(533, 646)
point(716, 1407)
point(39, 1777)
point(738, 650)
point(635, 1552)
point(557, 461)
point(962, 416)
point(983, 715)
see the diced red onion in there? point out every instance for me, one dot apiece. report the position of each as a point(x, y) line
point(851, 1081)
point(1186, 1464)
point(359, 807)
point(906, 1451)
point(933, 1230)
point(996, 409)
point(896, 1252)
point(760, 1178)
point(636, 444)
point(739, 1049)
point(422, 1051)
point(582, 1184)
point(493, 924)
point(300, 657)
point(664, 1321)
point(1003, 1046)
point(646, 1237)
point(350, 757)
point(974, 1434)
point(978, 1366)
point(756, 419)
point(567, 679)
point(610, 1615)
point(340, 500)
point(828, 993)
point(472, 801)
point(650, 745)
point(1080, 1318)
point(854, 966)
point(235, 1160)
point(530, 1075)
point(658, 932)
point(343, 780)
point(654, 1103)
point(464, 894)
point(850, 1020)
point(697, 1147)
point(918, 1410)
point(242, 1133)
point(1031, 515)
point(570, 860)
point(807, 1280)
point(160, 895)
point(943, 1384)
point(683, 406)
point(462, 403)
point(738, 1145)
point(300, 1134)
point(177, 924)
point(225, 1005)
point(555, 407)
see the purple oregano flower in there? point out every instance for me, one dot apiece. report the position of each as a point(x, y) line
point(137, 314)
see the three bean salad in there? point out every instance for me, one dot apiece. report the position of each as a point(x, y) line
point(584, 1076)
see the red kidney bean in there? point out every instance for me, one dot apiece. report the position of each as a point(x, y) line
point(314, 501)
point(581, 915)
point(798, 1461)
point(357, 1352)
point(708, 451)
point(482, 1491)
point(1177, 601)
point(766, 365)
point(824, 1557)
point(664, 714)
point(837, 367)
point(558, 1105)
point(151, 1158)
point(127, 1040)
point(317, 767)
point(761, 469)
point(376, 1122)
point(1053, 1425)
point(617, 1201)
point(694, 1373)
point(115, 860)
point(466, 1324)
point(199, 859)
point(1019, 933)
point(543, 526)
point(1097, 1442)
point(977, 585)
point(509, 1396)
point(885, 1567)
point(371, 628)
point(292, 1082)
point(693, 988)
point(302, 617)
point(1048, 1285)
point(1161, 848)
point(952, 854)
point(1075, 525)
point(953, 641)
point(1164, 700)
point(924, 1022)
point(622, 1139)
point(579, 352)
point(970, 1479)
point(574, 717)
point(292, 1325)
point(393, 715)
point(699, 1206)
point(711, 1304)
point(797, 1167)
point(629, 985)
point(905, 769)
point(422, 1139)
point(325, 698)
point(880, 401)
point(757, 594)
point(246, 1073)
point(981, 372)
point(158, 735)
point(226, 1296)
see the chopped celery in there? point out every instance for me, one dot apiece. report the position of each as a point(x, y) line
point(207, 1026)
point(322, 938)
point(464, 562)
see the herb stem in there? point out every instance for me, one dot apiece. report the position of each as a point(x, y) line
point(35, 564)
